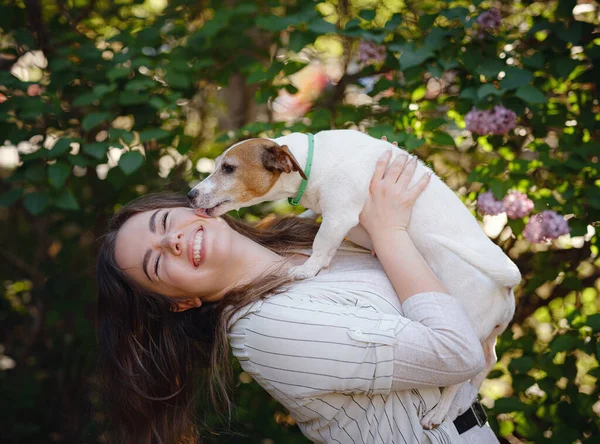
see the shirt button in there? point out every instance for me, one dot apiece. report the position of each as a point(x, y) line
point(358, 332)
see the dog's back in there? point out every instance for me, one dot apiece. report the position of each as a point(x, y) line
point(467, 262)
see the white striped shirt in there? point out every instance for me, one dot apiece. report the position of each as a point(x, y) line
point(352, 364)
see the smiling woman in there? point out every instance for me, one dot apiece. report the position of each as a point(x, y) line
point(151, 346)
point(354, 356)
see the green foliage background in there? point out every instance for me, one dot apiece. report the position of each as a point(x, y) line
point(167, 81)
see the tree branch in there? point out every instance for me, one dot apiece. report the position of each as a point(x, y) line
point(34, 16)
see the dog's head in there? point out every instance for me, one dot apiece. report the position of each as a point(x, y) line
point(244, 174)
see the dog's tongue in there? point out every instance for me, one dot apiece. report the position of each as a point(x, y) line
point(201, 212)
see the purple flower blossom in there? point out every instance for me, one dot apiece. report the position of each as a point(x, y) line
point(547, 225)
point(369, 52)
point(517, 205)
point(488, 204)
point(490, 19)
point(499, 120)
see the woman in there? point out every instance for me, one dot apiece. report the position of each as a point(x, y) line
point(356, 354)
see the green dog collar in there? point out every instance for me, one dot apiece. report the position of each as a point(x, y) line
point(311, 147)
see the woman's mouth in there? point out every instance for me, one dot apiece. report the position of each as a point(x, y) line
point(197, 250)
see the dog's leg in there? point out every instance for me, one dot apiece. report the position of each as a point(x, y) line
point(436, 415)
point(489, 350)
point(332, 231)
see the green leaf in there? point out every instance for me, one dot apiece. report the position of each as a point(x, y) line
point(10, 197)
point(299, 40)
point(117, 73)
point(177, 79)
point(488, 89)
point(515, 77)
point(157, 103)
point(531, 94)
point(368, 15)
point(436, 39)
point(536, 61)
point(102, 89)
point(394, 22)
point(413, 57)
point(412, 142)
point(128, 98)
point(66, 201)
point(322, 27)
point(94, 119)
point(36, 202)
point(442, 138)
point(36, 172)
point(433, 124)
point(271, 23)
point(96, 150)
point(116, 134)
point(61, 147)
point(507, 405)
point(594, 322)
point(139, 84)
point(58, 173)
point(562, 67)
point(469, 93)
point(387, 130)
point(153, 134)
point(495, 374)
point(130, 162)
point(85, 99)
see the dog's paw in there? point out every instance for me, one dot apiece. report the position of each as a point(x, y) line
point(303, 272)
point(432, 419)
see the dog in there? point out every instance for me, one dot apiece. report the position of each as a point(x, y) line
point(473, 269)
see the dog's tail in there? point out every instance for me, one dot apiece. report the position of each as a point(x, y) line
point(493, 262)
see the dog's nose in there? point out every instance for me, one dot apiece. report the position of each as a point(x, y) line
point(192, 195)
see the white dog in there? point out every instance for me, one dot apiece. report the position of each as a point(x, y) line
point(467, 262)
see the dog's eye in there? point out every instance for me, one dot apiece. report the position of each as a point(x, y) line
point(227, 169)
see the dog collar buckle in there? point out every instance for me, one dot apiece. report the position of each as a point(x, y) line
point(295, 201)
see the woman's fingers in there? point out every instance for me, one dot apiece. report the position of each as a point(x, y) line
point(407, 173)
point(381, 165)
point(420, 186)
point(384, 138)
point(396, 168)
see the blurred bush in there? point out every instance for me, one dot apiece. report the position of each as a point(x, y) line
point(102, 101)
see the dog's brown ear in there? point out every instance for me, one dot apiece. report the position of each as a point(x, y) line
point(280, 158)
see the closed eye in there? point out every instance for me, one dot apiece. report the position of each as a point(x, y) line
point(156, 265)
point(164, 221)
point(164, 224)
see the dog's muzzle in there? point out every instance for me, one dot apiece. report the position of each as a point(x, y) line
point(192, 195)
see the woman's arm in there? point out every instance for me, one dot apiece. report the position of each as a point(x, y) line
point(304, 345)
point(443, 332)
point(386, 216)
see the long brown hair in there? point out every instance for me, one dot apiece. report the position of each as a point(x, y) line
point(154, 361)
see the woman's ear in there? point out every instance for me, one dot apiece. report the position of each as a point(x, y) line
point(186, 304)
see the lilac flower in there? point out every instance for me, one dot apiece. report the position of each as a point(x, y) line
point(369, 52)
point(517, 205)
point(490, 19)
point(503, 119)
point(547, 225)
point(488, 204)
point(499, 120)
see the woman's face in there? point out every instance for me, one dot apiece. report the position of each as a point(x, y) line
point(176, 253)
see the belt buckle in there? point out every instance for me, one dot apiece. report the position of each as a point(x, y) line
point(479, 413)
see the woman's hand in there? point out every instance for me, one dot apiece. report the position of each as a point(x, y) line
point(389, 206)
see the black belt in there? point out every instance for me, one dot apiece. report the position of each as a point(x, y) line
point(475, 416)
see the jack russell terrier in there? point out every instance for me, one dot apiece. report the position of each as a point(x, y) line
point(339, 165)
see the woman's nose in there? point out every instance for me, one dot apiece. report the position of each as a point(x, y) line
point(173, 243)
